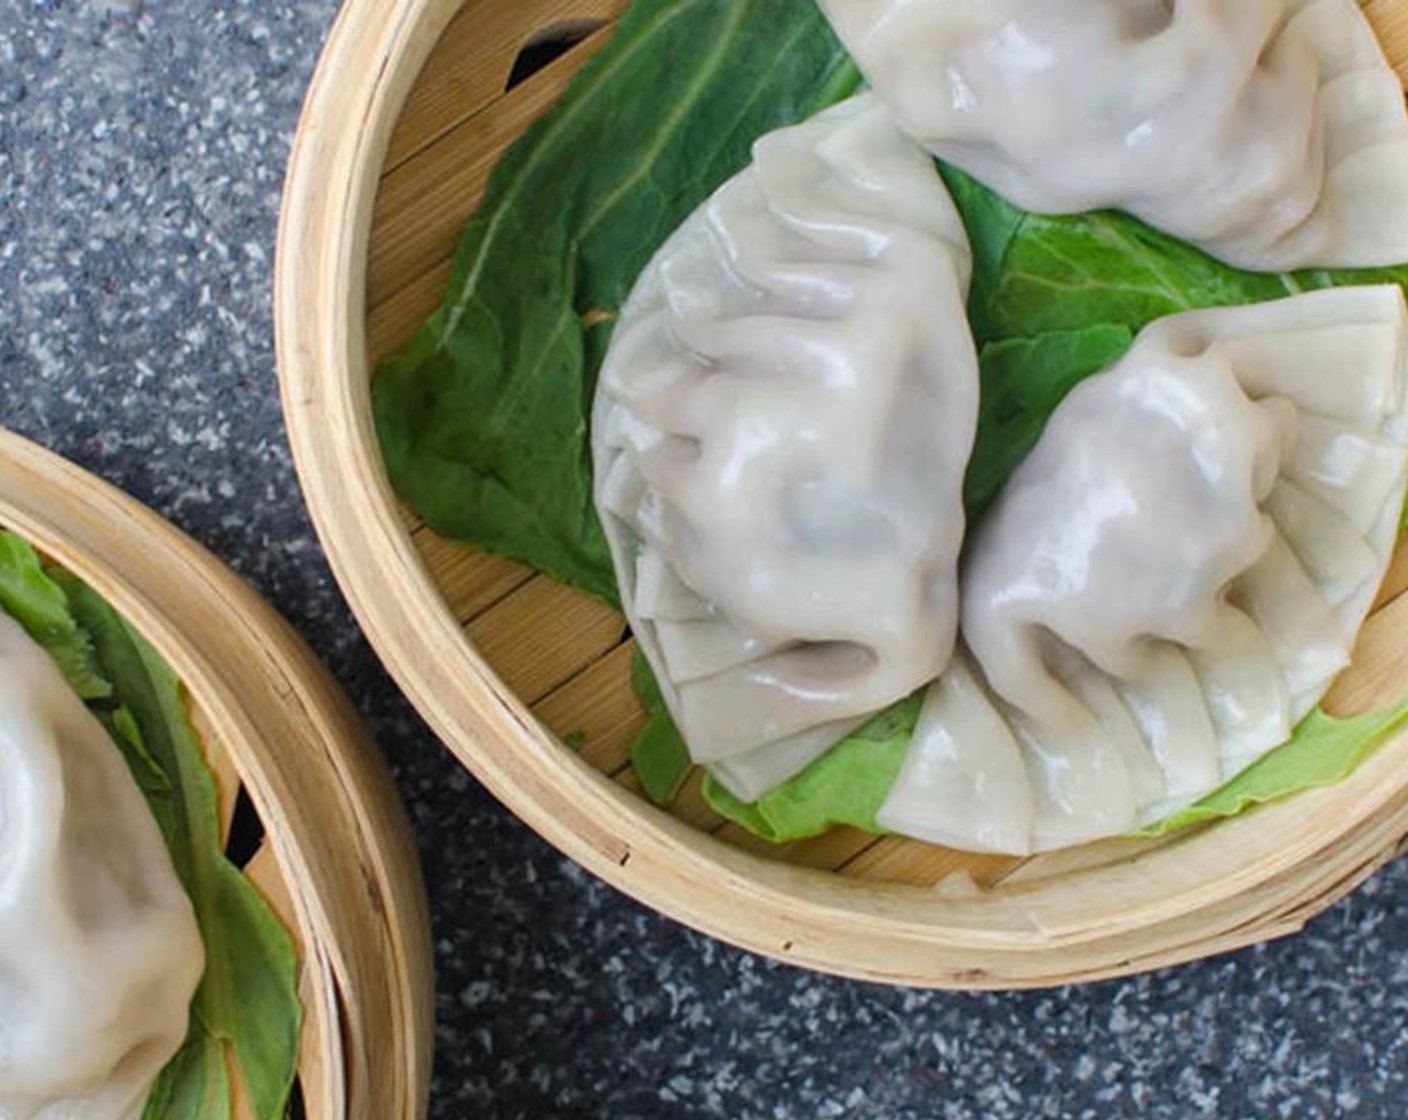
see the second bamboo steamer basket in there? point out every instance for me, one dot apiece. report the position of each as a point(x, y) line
point(408, 113)
point(321, 835)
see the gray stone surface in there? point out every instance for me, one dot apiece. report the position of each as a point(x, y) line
point(142, 147)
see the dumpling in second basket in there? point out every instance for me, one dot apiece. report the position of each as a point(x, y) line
point(1173, 578)
point(779, 440)
point(100, 953)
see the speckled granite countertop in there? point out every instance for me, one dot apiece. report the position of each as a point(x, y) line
point(142, 147)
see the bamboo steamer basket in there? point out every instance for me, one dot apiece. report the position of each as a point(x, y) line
point(408, 113)
point(334, 856)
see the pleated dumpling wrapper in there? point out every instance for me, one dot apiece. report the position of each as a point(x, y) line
point(1272, 133)
point(1172, 579)
point(100, 954)
point(779, 437)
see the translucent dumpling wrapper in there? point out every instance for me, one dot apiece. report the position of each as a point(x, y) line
point(779, 437)
point(100, 954)
point(1272, 133)
point(1172, 579)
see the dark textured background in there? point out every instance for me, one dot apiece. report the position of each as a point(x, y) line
point(142, 147)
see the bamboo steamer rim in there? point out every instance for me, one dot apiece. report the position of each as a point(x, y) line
point(1257, 876)
point(346, 878)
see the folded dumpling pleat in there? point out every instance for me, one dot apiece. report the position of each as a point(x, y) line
point(1080, 781)
point(1173, 578)
point(1348, 469)
point(1287, 607)
point(1167, 703)
point(1247, 697)
point(1333, 551)
point(780, 433)
point(964, 781)
point(1272, 133)
point(753, 773)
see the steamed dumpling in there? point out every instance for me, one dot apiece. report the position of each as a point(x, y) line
point(99, 950)
point(1172, 579)
point(1272, 133)
point(779, 438)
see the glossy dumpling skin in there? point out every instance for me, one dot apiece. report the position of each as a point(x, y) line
point(1172, 579)
point(1272, 133)
point(99, 950)
point(779, 438)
